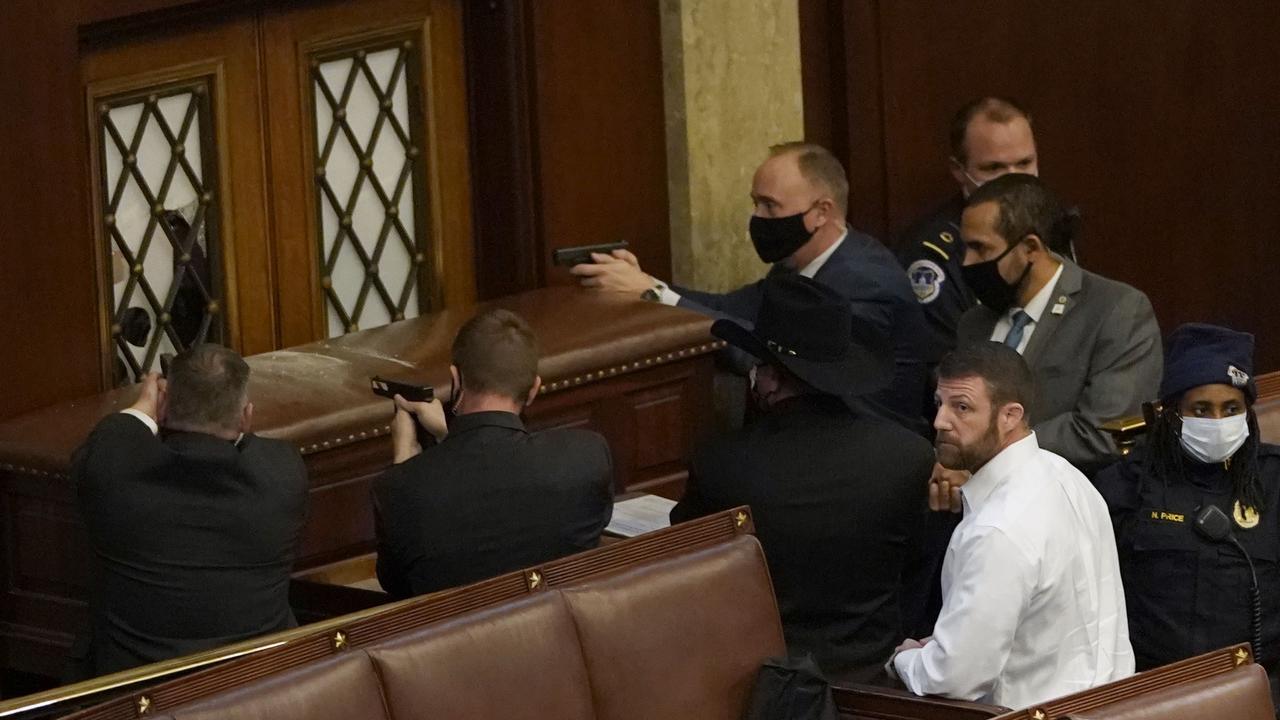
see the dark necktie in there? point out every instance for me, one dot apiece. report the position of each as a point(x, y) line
point(1020, 321)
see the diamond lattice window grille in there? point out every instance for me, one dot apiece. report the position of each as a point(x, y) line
point(159, 223)
point(370, 184)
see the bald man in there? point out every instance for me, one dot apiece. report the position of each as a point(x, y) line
point(800, 195)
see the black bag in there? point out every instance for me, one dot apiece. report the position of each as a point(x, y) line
point(791, 689)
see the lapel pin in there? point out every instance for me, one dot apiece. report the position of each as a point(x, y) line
point(1058, 309)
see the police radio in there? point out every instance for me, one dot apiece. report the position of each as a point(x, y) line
point(1214, 524)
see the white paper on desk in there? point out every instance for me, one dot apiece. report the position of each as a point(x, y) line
point(640, 515)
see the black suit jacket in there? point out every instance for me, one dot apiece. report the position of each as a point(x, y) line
point(193, 539)
point(837, 501)
point(863, 270)
point(491, 498)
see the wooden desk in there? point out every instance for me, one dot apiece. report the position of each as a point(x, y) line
point(639, 373)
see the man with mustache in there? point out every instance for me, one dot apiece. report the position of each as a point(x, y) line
point(1033, 606)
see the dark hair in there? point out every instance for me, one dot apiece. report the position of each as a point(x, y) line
point(207, 387)
point(1028, 207)
point(993, 108)
point(820, 167)
point(497, 353)
point(1167, 456)
point(1002, 369)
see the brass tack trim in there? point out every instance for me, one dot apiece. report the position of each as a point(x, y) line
point(546, 388)
point(35, 472)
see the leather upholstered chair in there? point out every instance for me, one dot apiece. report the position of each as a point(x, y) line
point(514, 661)
point(337, 688)
point(683, 640)
point(1220, 684)
point(1243, 694)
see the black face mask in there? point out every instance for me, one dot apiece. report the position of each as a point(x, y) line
point(777, 238)
point(989, 286)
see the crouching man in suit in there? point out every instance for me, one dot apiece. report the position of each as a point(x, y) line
point(490, 496)
point(194, 522)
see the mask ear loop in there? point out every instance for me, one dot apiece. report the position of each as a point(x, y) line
point(810, 209)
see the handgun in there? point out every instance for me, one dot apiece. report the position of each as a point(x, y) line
point(409, 391)
point(570, 256)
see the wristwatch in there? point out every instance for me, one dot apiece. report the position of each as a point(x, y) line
point(654, 294)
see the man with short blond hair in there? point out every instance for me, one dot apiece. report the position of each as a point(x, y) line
point(490, 496)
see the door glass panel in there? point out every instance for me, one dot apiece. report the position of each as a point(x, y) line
point(369, 181)
point(159, 223)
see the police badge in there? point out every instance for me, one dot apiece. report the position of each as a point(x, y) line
point(1239, 378)
point(1245, 516)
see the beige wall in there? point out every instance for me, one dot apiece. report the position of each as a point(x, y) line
point(731, 71)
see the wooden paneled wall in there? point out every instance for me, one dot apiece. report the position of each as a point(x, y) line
point(568, 140)
point(1156, 117)
point(567, 147)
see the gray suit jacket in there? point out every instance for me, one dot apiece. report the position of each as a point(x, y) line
point(1098, 360)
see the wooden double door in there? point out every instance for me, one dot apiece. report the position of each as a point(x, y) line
point(270, 177)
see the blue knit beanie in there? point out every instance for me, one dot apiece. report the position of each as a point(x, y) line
point(1198, 354)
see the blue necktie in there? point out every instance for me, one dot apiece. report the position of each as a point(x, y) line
point(1020, 321)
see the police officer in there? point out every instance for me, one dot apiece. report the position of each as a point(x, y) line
point(989, 136)
point(1187, 594)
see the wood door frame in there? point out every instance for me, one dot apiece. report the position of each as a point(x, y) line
point(245, 255)
point(296, 34)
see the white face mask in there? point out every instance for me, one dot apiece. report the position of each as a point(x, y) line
point(1213, 440)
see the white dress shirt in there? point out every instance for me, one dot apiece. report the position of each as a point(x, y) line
point(1033, 607)
point(145, 418)
point(1034, 310)
point(667, 296)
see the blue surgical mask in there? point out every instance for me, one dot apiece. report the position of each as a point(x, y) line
point(1213, 440)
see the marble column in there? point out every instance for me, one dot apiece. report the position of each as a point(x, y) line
point(731, 73)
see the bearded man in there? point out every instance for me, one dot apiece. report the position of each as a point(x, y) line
point(1032, 602)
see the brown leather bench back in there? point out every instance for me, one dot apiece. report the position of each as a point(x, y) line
point(682, 640)
point(1188, 688)
point(338, 688)
point(682, 636)
point(515, 661)
point(1242, 694)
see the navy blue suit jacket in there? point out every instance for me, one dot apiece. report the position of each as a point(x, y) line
point(864, 271)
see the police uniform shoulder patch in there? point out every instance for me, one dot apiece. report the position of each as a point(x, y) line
point(926, 280)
